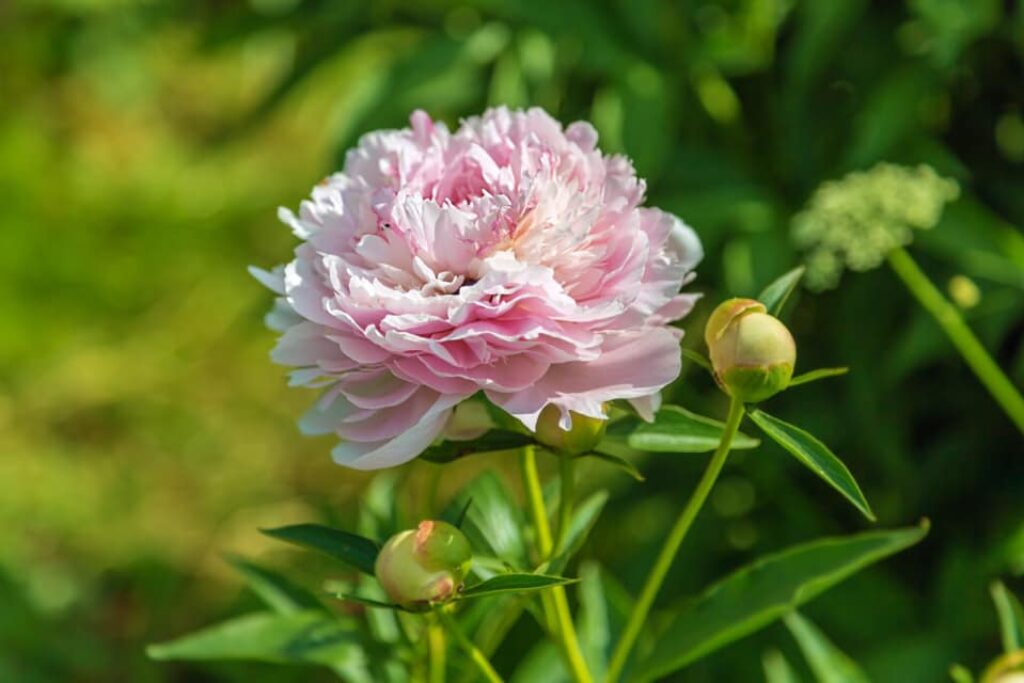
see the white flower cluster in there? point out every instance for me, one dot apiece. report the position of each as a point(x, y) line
point(856, 221)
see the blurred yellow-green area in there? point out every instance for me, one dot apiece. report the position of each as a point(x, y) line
point(145, 148)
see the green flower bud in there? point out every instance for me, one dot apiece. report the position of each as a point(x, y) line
point(585, 433)
point(753, 353)
point(424, 565)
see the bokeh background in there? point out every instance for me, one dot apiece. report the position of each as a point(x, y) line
point(144, 148)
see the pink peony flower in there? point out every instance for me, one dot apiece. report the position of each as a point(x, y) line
point(510, 257)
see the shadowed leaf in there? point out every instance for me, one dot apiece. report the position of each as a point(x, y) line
point(351, 549)
point(758, 594)
point(816, 456)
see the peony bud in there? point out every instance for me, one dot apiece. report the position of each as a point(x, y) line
point(584, 434)
point(753, 353)
point(425, 565)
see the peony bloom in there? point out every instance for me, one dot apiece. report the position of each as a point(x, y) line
point(509, 257)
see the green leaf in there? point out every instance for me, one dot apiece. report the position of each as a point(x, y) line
point(698, 358)
point(494, 522)
point(820, 373)
point(490, 441)
point(777, 669)
point(310, 637)
point(513, 583)
point(1011, 617)
point(829, 663)
point(276, 591)
point(351, 549)
point(960, 674)
point(584, 516)
point(604, 609)
point(616, 461)
point(674, 430)
point(775, 295)
point(756, 595)
point(370, 602)
point(816, 456)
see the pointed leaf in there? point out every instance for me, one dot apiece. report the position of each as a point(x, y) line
point(829, 663)
point(960, 674)
point(674, 430)
point(814, 375)
point(698, 358)
point(616, 461)
point(584, 516)
point(777, 669)
point(756, 595)
point(351, 549)
point(278, 592)
point(1011, 617)
point(490, 441)
point(494, 522)
point(370, 602)
point(457, 516)
point(774, 296)
point(514, 583)
point(816, 456)
point(301, 637)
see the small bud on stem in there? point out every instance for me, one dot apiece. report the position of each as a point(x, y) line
point(424, 565)
point(752, 352)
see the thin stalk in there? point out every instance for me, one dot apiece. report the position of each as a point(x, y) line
point(952, 323)
point(567, 478)
point(555, 600)
point(436, 649)
point(471, 650)
point(656, 577)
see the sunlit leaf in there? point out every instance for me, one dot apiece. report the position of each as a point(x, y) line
point(302, 637)
point(777, 669)
point(816, 456)
point(960, 674)
point(513, 583)
point(275, 590)
point(756, 595)
point(674, 430)
point(351, 549)
point(584, 517)
point(829, 663)
point(1011, 617)
point(775, 295)
point(494, 522)
point(813, 375)
point(604, 609)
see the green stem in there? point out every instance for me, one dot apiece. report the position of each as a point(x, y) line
point(949, 318)
point(436, 649)
point(471, 650)
point(555, 600)
point(535, 501)
point(675, 538)
point(567, 479)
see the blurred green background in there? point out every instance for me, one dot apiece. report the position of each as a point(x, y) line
point(144, 148)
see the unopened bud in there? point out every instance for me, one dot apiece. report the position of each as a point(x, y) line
point(424, 565)
point(585, 433)
point(752, 352)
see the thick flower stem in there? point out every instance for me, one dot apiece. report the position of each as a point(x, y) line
point(675, 538)
point(471, 650)
point(952, 323)
point(555, 601)
point(436, 649)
